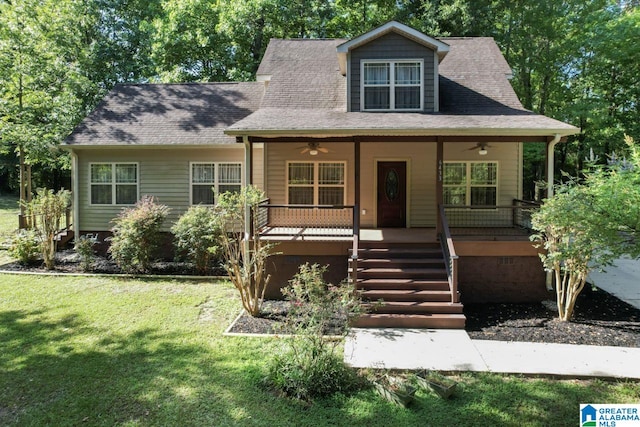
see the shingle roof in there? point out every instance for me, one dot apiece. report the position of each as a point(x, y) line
point(306, 96)
point(473, 78)
point(324, 122)
point(168, 114)
point(304, 74)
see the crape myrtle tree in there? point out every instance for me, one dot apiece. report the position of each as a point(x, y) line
point(245, 256)
point(587, 225)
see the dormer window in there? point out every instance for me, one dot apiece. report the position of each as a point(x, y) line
point(392, 85)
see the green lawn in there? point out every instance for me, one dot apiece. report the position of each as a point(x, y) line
point(78, 351)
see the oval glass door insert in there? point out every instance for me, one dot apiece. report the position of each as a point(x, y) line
point(391, 185)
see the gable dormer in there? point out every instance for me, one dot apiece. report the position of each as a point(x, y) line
point(393, 68)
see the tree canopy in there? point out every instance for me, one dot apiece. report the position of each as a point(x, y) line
point(573, 60)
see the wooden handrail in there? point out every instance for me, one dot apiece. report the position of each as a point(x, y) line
point(447, 243)
point(267, 205)
point(354, 251)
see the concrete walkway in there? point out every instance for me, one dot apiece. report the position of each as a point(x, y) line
point(453, 350)
point(621, 280)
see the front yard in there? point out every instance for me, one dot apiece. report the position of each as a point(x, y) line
point(100, 351)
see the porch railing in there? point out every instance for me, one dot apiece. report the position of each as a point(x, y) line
point(307, 220)
point(506, 220)
point(32, 220)
point(325, 221)
point(450, 256)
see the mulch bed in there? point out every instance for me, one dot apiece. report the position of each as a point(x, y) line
point(599, 317)
point(67, 261)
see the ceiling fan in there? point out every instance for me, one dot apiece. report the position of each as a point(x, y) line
point(481, 147)
point(313, 148)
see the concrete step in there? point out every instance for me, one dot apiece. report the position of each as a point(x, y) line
point(395, 295)
point(436, 321)
point(414, 307)
point(408, 284)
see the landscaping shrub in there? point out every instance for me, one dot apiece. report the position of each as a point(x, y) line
point(84, 248)
point(310, 365)
point(48, 208)
point(136, 235)
point(24, 246)
point(197, 234)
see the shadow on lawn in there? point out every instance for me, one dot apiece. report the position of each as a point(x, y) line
point(68, 372)
point(64, 372)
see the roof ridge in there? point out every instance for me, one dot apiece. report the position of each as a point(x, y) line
point(128, 84)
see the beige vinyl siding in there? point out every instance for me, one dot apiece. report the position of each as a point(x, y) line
point(421, 178)
point(277, 156)
point(509, 170)
point(421, 173)
point(162, 172)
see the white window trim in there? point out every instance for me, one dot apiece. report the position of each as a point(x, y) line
point(216, 182)
point(316, 185)
point(468, 184)
point(114, 184)
point(392, 84)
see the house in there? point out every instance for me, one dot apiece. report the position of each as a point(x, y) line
point(394, 157)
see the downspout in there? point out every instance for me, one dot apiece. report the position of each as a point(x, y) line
point(75, 191)
point(550, 164)
point(550, 174)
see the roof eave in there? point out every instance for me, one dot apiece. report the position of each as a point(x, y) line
point(564, 131)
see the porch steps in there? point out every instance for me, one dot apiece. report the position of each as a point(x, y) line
point(63, 237)
point(404, 285)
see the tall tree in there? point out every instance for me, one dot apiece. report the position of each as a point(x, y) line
point(39, 76)
point(186, 45)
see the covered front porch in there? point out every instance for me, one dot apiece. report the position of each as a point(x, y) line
point(404, 231)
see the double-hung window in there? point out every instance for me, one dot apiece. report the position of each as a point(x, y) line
point(114, 183)
point(316, 183)
point(471, 183)
point(392, 85)
point(209, 180)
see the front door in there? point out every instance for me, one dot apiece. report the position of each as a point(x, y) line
point(392, 194)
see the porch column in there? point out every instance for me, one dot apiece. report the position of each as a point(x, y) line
point(439, 191)
point(248, 166)
point(356, 171)
point(75, 192)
